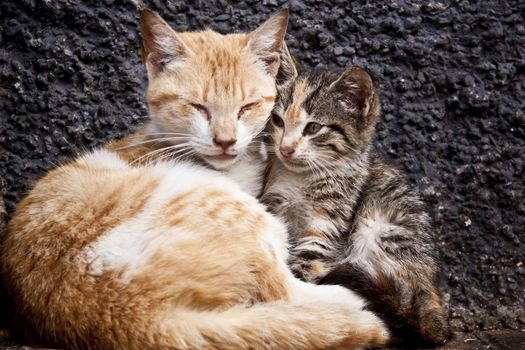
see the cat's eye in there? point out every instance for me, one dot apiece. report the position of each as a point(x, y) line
point(246, 108)
point(277, 121)
point(312, 128)
point(201, 109)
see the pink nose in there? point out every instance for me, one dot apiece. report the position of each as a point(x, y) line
point(224, 143)
point(286, 151)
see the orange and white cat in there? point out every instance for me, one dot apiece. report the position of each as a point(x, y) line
point(128, 247)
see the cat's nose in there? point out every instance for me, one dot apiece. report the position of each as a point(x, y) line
point(286, 151)
point(224, 143)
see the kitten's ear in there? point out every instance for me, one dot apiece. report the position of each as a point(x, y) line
point(289, 68)
point(358, 94)
point(160, 44)
point(267, 41)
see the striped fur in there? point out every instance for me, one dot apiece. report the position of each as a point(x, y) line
point(354, 219)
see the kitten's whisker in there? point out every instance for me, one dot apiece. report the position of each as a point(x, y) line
point(348, 147)
point(323, 172)
point(312, 166)
point(326, 162)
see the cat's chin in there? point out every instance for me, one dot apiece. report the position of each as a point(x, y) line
point(221, 162)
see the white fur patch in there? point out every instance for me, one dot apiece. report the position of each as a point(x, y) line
point(276, 239)
point(305, 293)
point(366, 250)
point(128, 246)
point(323, 225)
point(103, 158)
point(248, 173)
point(247, 169)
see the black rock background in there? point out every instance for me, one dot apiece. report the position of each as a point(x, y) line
point(452, 80)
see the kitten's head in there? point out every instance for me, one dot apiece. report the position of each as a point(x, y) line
point(323, 119)
point(210, 94)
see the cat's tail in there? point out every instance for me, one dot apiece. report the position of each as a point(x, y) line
point(411, 307)
point(276, 325)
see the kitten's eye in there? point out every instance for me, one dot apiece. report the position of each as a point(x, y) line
point(246, 108)
point(277, 121)
point(312, 128)
point(201, 109)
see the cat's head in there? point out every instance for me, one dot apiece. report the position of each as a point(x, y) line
point(323, 119)
point(210, 94)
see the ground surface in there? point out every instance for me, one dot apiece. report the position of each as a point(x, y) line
point(452, 80)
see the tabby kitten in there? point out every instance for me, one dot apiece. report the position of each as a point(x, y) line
point(354, 220)
point(126, 248)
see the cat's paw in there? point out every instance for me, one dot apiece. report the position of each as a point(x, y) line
point(369, 331)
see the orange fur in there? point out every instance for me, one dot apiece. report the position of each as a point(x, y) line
point(119, 250)
point(70, 303)
point(223, 77)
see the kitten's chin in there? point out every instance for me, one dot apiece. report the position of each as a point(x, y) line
point(295, 167)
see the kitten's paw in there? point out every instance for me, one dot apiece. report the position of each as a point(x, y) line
point(431, 317)
point(433, 326)
point(310, 270)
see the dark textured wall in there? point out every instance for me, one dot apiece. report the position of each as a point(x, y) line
point(451, 75)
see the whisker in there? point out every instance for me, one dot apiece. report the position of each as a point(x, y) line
point(158, 140)
point(156, 152)
point(165, 133)
point(169, 155)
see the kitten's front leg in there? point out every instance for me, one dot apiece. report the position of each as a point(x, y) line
point(317, 246)
point(312, 258)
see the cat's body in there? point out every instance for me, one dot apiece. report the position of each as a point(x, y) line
point(166, 256)
point(354, 220)
point(129, 247)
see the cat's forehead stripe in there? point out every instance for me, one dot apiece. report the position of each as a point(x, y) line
point(301, 91)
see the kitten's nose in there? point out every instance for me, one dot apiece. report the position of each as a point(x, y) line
point(224, 143)
point(286, 151)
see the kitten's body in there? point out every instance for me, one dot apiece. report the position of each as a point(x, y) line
point(128, 248)
point(353, 219)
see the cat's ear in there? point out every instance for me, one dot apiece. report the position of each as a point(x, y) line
point(289, 68)
point(160, 43)
point(267, 41)
point(358, 94)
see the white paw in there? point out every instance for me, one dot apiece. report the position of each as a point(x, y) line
point(344, 296)
point(311, 293)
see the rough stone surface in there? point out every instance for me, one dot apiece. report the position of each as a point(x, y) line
point(451, 75)
point(3, 219)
